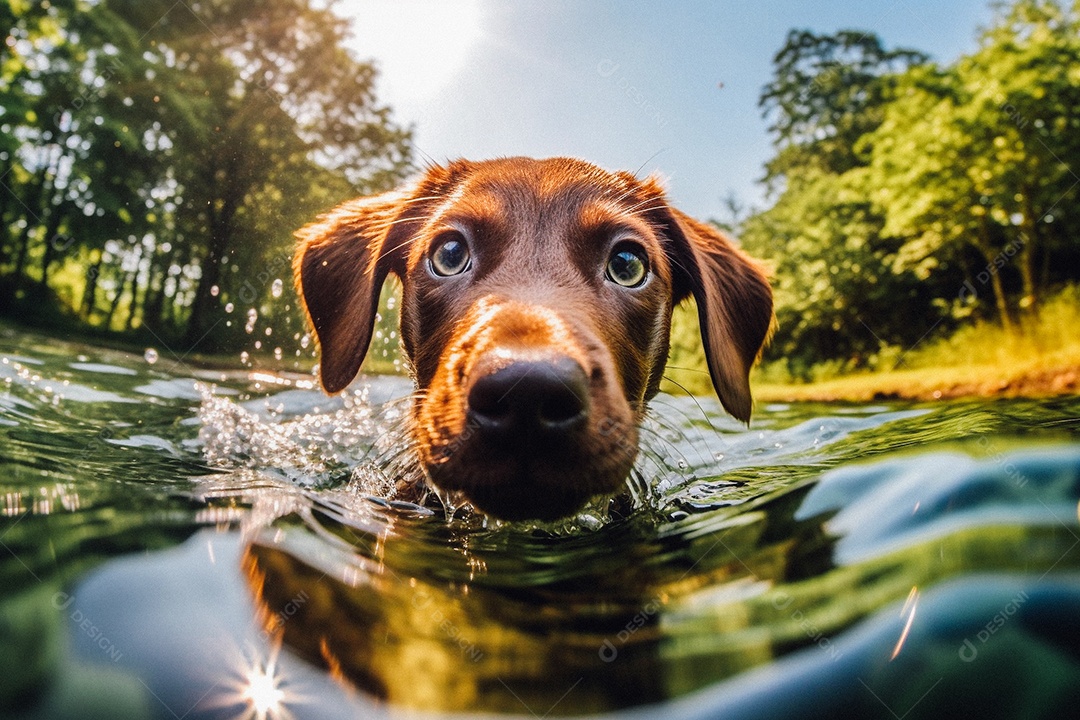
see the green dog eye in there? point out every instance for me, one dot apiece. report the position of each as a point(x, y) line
point(627, 267)
point(450, 257)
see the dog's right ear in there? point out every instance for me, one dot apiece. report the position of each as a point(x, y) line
point(339, 267)
point(343, 258)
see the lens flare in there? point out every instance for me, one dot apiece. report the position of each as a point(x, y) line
point(262, 693)
point(258, 689)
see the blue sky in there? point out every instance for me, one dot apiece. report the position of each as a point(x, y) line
point(667, 87)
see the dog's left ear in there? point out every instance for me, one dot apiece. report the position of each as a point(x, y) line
point(734, 303)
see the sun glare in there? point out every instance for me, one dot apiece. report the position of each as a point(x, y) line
point(256, 689)
point(418, 45)
point(263, 694)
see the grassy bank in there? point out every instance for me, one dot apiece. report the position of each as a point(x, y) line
point(1039, 357)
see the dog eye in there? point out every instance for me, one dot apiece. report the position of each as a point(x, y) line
point(450, 256)
point(627, 267)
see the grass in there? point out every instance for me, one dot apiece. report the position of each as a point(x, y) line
point(1040, 357)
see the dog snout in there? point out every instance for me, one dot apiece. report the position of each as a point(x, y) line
point(545, 400)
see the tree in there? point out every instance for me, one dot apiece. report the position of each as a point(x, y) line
point(283, 101)
point(827, 92)
point(835, 290)
point(836, 293)
point(166, 152)
point(981, 154)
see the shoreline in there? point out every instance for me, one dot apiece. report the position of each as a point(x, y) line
point(929, 384)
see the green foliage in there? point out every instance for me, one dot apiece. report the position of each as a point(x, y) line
point(158, 159)
point(827, 92)
point(910, 197)
point(980, 156)
point(836, 294)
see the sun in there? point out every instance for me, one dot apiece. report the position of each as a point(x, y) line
point(418, 45)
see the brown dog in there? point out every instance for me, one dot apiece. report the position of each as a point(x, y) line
point(536, 311)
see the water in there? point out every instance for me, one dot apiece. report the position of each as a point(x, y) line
point(177, 542)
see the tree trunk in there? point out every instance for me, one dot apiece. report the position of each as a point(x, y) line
point(32, 200)
point(153, 307)
point(5, 204)
point(49, 207)
point(89, 298)
point(20, 258)
point(1029, 301)
point(124, 279)
point(133, 306)
point(52, 241)
point(986, 249)
point(206, 301)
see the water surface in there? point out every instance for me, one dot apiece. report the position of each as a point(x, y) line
point(179, 542)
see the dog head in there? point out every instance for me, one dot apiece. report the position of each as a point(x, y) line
point(536, 309)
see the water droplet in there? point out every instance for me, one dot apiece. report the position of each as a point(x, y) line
point(589, 522)
point(305, 341)
point(229, 307)
point(150, 356)
point(258, 344)
point(277, 353)
point(275, 288)
point(214, 290)
point(244, 357)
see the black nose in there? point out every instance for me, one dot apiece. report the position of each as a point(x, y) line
point(548, 398)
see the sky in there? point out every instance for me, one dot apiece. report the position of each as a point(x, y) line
point(651, 87)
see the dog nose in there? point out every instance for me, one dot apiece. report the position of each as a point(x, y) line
point(549, 397)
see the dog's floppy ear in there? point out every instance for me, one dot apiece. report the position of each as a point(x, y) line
point(734, 303)
point(343, 258)
point(339, 267)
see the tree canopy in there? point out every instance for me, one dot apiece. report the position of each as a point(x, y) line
point(907, 196)
point(156, 157)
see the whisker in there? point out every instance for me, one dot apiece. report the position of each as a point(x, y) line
point(651, 158)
